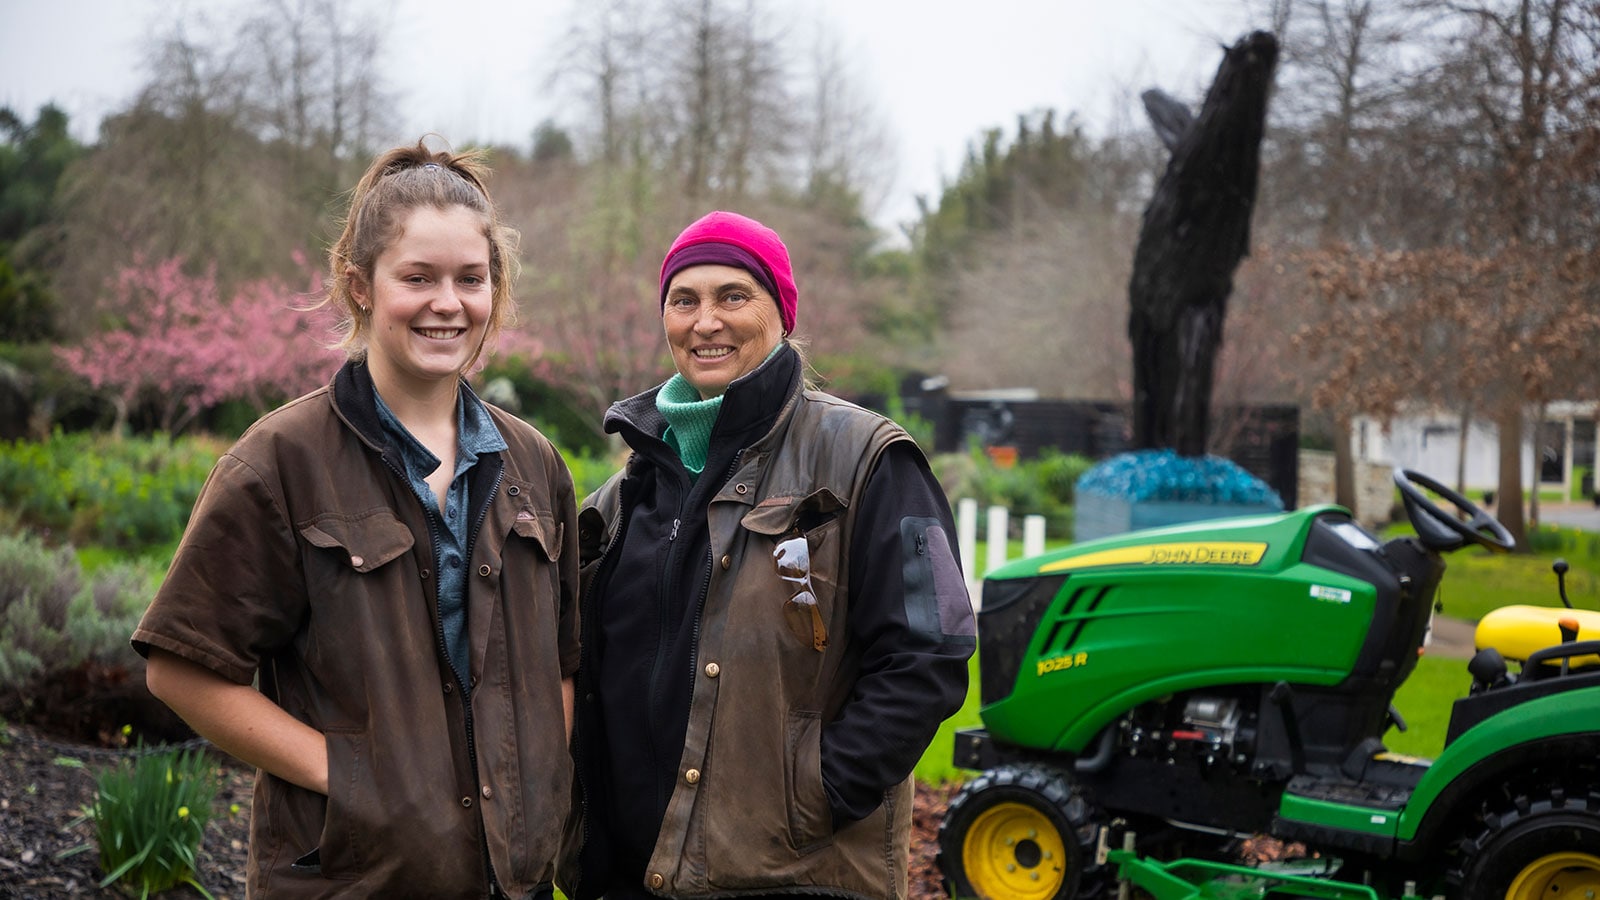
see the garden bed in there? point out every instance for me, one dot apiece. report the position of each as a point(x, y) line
point(47, 783)
point(45, 786)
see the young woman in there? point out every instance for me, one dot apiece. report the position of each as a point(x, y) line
point(392, 562)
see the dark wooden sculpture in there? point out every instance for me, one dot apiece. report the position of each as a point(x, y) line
point(1196, 230)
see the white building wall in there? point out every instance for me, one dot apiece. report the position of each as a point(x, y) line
point(1431, 444)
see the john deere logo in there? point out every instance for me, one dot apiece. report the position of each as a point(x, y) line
point(1187, 553)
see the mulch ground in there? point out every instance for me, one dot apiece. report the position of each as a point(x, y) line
point(47, 783)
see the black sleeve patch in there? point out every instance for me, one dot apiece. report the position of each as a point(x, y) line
point(936, 599)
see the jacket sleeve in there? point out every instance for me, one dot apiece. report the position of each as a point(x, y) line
point(233, 594)
point(912, 621)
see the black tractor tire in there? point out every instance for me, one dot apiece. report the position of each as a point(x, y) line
point(1545, 846)
point(1021, 832)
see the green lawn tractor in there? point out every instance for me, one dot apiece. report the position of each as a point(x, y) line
point(1156, 701)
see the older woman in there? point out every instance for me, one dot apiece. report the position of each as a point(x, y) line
point(774, 618)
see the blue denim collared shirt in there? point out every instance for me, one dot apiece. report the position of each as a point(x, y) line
point(476, 435)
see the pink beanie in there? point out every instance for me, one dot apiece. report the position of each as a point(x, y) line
point(729, 239)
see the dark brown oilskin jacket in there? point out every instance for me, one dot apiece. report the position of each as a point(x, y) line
point(309, 560)
point(749, 813)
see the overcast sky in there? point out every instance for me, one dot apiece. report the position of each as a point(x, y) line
point(940, 71)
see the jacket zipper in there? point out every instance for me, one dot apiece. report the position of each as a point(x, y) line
point(705, 589)
point(673, 584)
point(466, 699)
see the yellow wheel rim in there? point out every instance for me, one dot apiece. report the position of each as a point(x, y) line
point(1014, 852)
point(1558, 876)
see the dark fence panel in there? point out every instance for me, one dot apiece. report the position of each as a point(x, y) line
point(1264, 440)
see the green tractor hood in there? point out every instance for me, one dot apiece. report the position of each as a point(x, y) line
point(1071, 639)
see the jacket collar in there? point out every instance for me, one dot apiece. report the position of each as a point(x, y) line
point(751, 408)
point(353, 401)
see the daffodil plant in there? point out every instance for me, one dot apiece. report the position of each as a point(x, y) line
point(150, 815)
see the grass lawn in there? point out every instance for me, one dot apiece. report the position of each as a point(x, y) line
point(1477, 581)
point(935, 766)
point(1424, 702)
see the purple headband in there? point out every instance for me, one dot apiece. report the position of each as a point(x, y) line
point(715, 254)
point(729, 239)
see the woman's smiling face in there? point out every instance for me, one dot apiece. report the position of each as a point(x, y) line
point(720, 324)
point(430, 297)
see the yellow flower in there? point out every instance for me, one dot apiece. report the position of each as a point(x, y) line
point(183, 812)
point(233, 809)
point(127, 730)
point(169, 774)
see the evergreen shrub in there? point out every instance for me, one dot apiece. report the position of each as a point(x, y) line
point(54, 619)
point(129, 493)
point(1041, 486)
point(590, 471)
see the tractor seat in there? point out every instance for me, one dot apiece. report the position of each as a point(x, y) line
point(1518, 631)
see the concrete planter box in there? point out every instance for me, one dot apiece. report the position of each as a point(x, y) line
point(1098, 515)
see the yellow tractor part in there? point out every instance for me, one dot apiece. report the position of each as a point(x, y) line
point(1517, 631)
point(1013, 851)
point(1558, 876)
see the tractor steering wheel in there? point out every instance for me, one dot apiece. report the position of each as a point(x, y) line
point(1442, 531)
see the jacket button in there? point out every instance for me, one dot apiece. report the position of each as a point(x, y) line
point(727, 562)
point(356, 561)
point(426, 574)
point(513, 490)
point(692, 776)
point(488, 792)
point(741, 488)
point(466, 802)
point(484, 570)
point(449, 686)
point(713, 670)
point(656, 881)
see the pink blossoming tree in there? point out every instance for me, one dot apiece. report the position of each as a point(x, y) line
point(177, 343)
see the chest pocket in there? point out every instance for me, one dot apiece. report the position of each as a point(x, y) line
point(366, 540)
point(540, 529)
point(818, 518)
point(795, 515)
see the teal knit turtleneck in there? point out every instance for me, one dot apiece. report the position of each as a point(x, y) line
point(689, 421)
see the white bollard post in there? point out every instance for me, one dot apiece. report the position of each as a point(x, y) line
point(1032, 535)
point(967, 546)
point(997, 538)
point(967, 535)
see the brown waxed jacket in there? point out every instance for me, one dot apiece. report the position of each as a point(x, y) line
point(749, 811)
point(308, 561)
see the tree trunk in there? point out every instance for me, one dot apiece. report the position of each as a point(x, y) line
point(1344, 466)
point(1195, 231)
point(1508, 504)
point(1536, 473)
point(119, 425)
